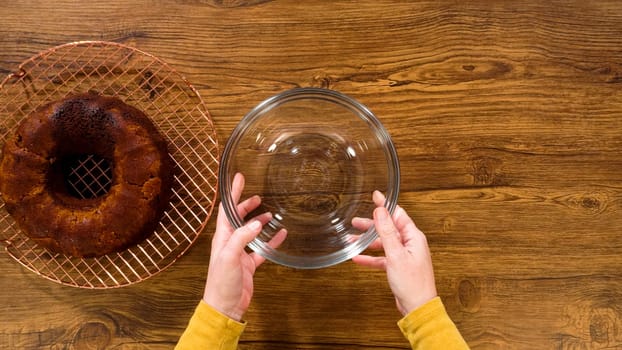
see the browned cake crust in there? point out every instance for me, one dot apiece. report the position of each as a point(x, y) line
point(34, 192)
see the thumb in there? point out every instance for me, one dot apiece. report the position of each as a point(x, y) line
point(245, 234)
point(388, 233)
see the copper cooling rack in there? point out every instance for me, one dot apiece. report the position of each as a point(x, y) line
point(175, 107)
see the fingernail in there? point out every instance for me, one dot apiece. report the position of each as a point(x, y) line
point(377, 195)
point(254, 225)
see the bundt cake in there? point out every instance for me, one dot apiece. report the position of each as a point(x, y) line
point(37, 162)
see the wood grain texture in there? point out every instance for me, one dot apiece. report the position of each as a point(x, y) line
point(507, 117)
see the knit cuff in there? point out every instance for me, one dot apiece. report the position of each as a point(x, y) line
point(209, 329)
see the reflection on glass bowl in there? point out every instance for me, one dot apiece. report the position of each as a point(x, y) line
point(314, 156)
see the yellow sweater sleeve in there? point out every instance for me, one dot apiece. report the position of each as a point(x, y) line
point(209, 329)
point(429, 327)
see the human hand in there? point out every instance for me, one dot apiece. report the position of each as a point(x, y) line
point(407, 259)
point(229, 285)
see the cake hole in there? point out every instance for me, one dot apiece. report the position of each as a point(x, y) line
point(88, 176)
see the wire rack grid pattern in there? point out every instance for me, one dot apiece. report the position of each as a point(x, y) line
point(175, 107)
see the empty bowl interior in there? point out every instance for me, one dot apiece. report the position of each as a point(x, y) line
point(314, 156)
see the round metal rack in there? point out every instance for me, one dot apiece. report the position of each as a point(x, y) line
point(175, 107)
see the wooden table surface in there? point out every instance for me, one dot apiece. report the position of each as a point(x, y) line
point(507, 118)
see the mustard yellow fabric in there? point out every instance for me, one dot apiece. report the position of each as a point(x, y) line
point(209, 329)
point(428, 327)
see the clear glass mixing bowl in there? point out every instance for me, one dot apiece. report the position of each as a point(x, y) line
point(314, 156)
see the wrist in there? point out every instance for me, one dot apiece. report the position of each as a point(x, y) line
point(223, 308)
point(408, 306)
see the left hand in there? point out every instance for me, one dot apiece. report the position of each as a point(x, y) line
point(229, 285)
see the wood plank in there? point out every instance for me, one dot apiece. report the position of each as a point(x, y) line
point(507, 117)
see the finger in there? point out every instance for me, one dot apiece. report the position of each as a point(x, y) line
point(221, 219)
point(399, 214)
point(244, 235)
point(223, 226)
point(237, 186)
point(274, 243)
point(388, 233)
point(263, 218)
point(376, 262)
point(223, 230)
point(401, 218)
point(362, 224)
point(378, 198)
point(248, 205)
point(351, 238)
point(375, 245)
point(404, 224)
point(278, 239)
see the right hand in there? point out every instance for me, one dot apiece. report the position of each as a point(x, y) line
point(407, 259)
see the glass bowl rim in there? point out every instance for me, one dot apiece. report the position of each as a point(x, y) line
point(366, 238)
